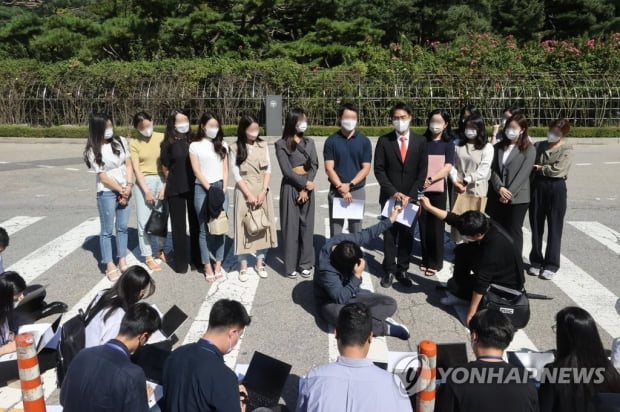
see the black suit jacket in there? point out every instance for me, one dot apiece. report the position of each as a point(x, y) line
point(395, 176)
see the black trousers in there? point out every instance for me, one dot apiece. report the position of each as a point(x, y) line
point(381, 307)
point(509, 216)
point(397, 243)
point(461, 284)
point(180, 206)
point(548, 203)
point(432, 233)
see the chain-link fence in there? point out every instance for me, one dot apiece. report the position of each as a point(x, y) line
point(587, 100)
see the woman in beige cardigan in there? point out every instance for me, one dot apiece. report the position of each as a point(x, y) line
point(251, 170)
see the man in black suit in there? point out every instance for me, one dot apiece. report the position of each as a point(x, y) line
point(401, 163)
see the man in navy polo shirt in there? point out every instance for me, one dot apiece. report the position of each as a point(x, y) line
point(195, 375)
point(347, 154)
point(102, 378)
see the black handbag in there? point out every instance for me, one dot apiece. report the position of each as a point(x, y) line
point(157, 225)
point(510, 302)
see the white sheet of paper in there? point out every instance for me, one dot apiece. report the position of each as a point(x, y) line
point(343, 210)
point(406, 216)
point(158, 393)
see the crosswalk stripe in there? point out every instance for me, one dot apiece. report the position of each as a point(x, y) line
point(229, 288)
point(601, 233)
point(520, 339)
point(39, 261)
point(17, 223)
point(585, 291)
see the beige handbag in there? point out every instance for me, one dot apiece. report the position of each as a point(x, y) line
point(256, 221)
point(465, 202)
point(218, 225)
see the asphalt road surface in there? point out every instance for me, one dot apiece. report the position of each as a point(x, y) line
point(47, 201)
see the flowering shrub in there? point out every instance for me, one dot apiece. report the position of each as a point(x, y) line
point(487, 53)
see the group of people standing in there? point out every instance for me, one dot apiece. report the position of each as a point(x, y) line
point(187, 174)
point(184, 175)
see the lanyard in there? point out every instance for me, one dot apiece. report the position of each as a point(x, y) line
point(118, 348)
point(209, 349)
point(490, 357)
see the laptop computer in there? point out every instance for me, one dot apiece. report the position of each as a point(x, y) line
point(170, 322)
point(450, 355)
point(533, 361)
point(265, 381)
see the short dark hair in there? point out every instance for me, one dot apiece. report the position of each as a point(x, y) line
point(354, 324)
point(562, 124)
point(348, 106)
point(140, 117)
point(140, 318)
point(401, 106)
point(473, 223)
point(4, 237)
point(228, 312)
point(493, 329)
point(346, 255)
point(15, 281)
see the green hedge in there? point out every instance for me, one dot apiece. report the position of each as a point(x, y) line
point(231, 130)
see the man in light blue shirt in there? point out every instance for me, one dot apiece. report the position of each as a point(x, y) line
point(352, 383)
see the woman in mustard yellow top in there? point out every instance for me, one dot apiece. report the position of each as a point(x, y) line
point(150, 187)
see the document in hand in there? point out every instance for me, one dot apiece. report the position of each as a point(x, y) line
point(46, 335)
point(406, 216)
point(435, 164)
point(343, 210)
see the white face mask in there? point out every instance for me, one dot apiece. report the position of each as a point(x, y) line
point(302, 127)
point(109, 132)
point(401, 125)
point(182, 127)
point(147, 132)
point(471, 133)
point(348, 124)
point(251, 135)
point(435, 128)
point(468, 239)
point(212, 132)
point(512, 134)
point(553, 138)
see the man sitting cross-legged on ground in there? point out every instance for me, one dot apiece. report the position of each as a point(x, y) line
point(339, 278)
point(352, 383)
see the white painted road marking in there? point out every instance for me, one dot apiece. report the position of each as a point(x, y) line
point(42, 259)
point(17, 223)
point(601, 233)
point(585, 291)
point(520, 339)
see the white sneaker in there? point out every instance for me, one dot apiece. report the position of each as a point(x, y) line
point(451, 300)
point(243, 275)
point(547, 275)
point(533, 270)
point(306, 273)
point(261, 272)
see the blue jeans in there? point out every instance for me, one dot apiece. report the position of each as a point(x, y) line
point(205, 238)
point(109, 212)
point(260, 254)
point(143, 211)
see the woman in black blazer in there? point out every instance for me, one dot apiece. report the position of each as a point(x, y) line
point(509, 192)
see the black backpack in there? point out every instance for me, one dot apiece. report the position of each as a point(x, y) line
point(72, 341)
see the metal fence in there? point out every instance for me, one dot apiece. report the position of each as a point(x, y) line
point(587, 100)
